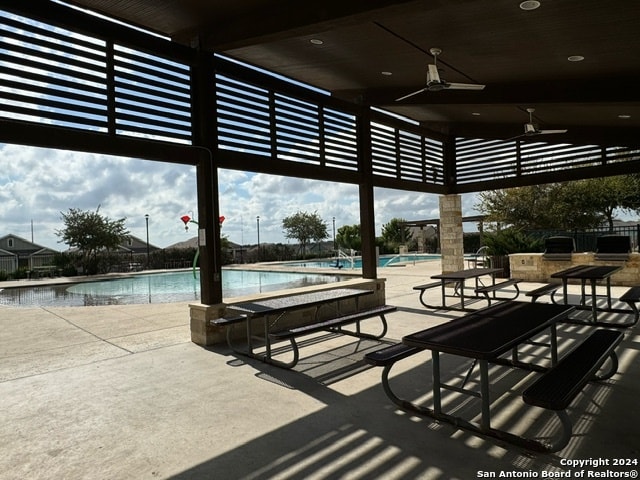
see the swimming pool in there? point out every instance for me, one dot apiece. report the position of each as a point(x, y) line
point(157, 288)
point(383, 261)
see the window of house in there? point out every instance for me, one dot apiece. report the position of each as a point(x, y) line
point(10, 242)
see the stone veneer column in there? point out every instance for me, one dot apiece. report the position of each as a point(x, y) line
point(202, 332)
point(451, 236)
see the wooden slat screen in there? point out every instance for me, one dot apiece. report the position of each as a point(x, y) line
point(51, 75)
point(255, 120)
point(486, 160)
point(405, 155)
point(152, 96)
point(55, 76)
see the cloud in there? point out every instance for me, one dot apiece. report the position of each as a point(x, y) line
point(37, 184)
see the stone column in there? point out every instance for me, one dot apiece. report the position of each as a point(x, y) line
point(202, 332)
point(451, 235)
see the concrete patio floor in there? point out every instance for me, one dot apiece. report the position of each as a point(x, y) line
point(120, 392)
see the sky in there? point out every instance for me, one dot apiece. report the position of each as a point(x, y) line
point(37, 185)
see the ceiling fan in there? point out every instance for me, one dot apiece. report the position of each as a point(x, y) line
point(531, 128)
point(435, 83)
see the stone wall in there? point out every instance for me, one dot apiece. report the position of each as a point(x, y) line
point(532, 267)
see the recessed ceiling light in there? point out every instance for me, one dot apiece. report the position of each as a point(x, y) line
point(529, 5)
point(575, 58)
point(624, 116)
point(386, 74)
point(475, 114)
point(316, 41)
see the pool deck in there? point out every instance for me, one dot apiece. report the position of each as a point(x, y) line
point(120, 392)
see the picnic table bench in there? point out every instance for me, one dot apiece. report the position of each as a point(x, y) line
point(549, 288)
point(387, 357)
point(558, 387)
point(485, 290)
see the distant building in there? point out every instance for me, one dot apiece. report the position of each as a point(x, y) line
point(134, 250)
point(17, 252)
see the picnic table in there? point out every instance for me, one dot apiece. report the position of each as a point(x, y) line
point(272, 310)
point(592, 274)
point(459, 278)
point(484, 336)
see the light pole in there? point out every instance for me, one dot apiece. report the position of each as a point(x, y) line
point(258, 228)
point(146, 218)
point(334, 235)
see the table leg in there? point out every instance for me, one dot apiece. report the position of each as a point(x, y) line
point(435, 371)
point(493, 282)
point(444, 294)
point(485, 422)
point(594, 304)
point(609, 292)
point(462, 294)
point(267, 341)
point(249, 337)
point(554, 345)
point(565, 295)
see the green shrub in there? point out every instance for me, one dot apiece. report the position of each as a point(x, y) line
point(511, 240)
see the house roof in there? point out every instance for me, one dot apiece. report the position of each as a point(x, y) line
point(24, 246)
point(522, 56)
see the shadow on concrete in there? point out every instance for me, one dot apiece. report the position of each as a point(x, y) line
point(363, 435)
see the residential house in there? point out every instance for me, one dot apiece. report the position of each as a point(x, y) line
point(135, 250)
point(17, 252)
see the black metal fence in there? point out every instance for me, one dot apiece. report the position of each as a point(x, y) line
point(586, 240)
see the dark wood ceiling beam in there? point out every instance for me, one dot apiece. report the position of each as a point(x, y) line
point(287, 19)
point(46, 136)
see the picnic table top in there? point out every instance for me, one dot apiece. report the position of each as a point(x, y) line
point(488, 333)
point(597, 272)
point(301, 300)
point(467, 273)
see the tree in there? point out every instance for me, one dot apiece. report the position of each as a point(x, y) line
point(578, 205)
point(396, 233)
point(91, 233)
point(305, 227)
point(610, 194)
point(349, 236)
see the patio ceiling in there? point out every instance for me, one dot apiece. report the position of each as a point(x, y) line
point(520, 55)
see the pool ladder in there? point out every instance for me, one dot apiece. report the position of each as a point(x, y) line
point(341, 254)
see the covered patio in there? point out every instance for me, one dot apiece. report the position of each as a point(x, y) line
point(334, 92)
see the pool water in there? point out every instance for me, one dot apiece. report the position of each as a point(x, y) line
point(157, 288)
point(383, 261)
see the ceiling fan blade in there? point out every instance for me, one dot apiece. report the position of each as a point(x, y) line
point(464, 86)
point(545, 132)
point(411, 94)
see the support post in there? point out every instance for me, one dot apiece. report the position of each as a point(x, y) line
point(210, 252)
point(367, 224)
point(451, 233)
